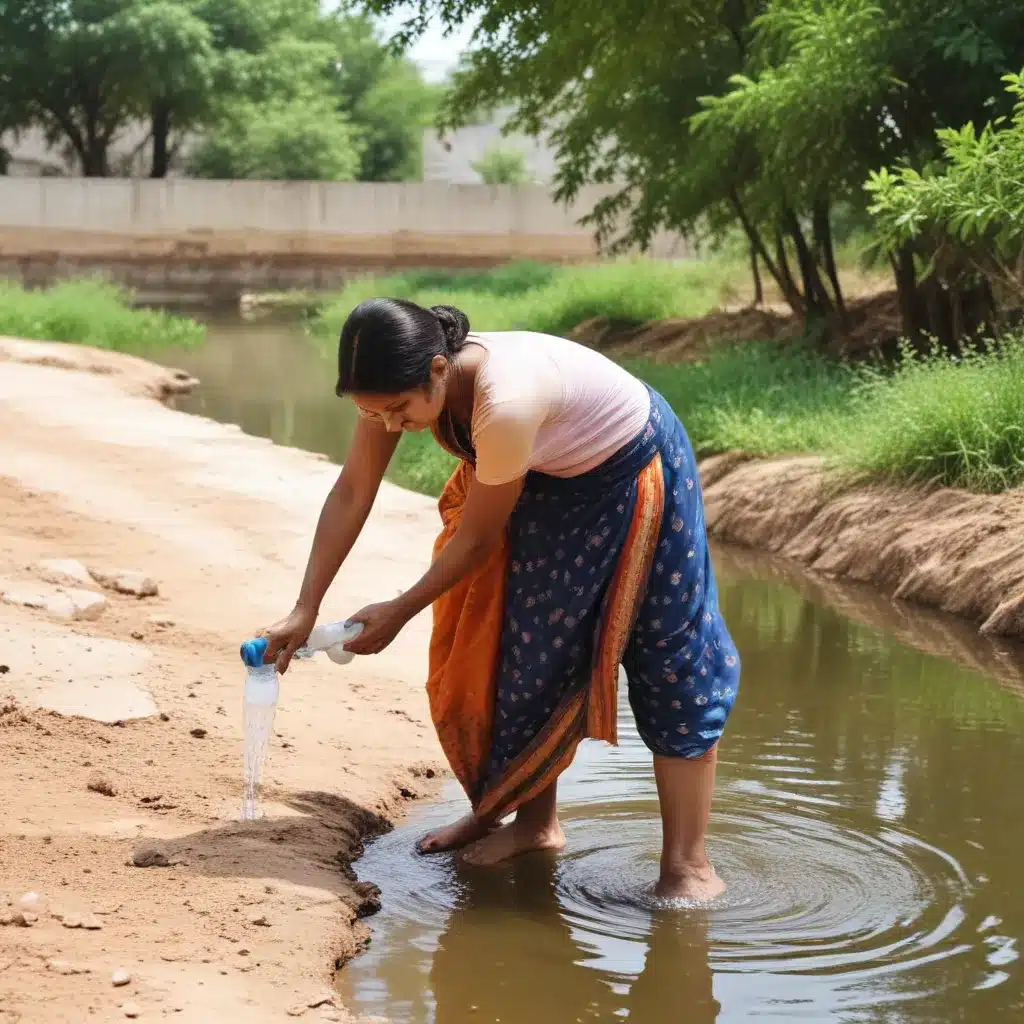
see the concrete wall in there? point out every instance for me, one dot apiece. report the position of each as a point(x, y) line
point(188, 236)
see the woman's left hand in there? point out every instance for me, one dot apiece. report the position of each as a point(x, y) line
point(381, 624)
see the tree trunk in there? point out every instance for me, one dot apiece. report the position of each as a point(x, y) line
point(815, 295)
point(905, 273)
point(755, 273)
point(785, 278)
point(160, 122)
point(780, 272)
point(94, 160)
point(822, 228)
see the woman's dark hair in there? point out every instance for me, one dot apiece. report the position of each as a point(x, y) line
point(387, 345)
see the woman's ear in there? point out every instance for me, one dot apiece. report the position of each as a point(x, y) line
point(438, 371)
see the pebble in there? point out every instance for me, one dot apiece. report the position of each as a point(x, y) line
point(120, 978)
point(126, 581)
point(150, 857)
point(6, 918)
point(101, 784)
point(25, 918)
point(63, 570)
point(67, 968)
point(87, 605)
point(72, 920)
point(198, 733)
point(91, 923)
point(164, 717)
point(131, 1010)
point(260, 920)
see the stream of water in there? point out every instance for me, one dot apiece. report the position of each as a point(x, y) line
point(868, 818)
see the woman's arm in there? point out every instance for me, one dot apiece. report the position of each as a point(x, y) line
point(484, 517)
point(341, 520)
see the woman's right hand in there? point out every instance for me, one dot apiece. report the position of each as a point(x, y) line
point(284, 638)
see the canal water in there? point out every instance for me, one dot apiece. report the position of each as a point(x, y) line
point(868, 817)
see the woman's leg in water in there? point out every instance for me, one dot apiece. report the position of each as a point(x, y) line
point(685, 789)
point(535, 827)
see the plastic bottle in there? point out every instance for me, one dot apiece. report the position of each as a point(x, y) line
point(259, 704)
point(331, 637)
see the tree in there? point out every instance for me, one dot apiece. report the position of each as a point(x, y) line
point(384, 95)
point(87, 70)
point(502, 166)
point(759, 113)
point(295, 139)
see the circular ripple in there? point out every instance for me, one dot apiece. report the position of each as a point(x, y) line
point(804, 894)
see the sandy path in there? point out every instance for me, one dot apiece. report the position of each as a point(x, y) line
point(93, 469)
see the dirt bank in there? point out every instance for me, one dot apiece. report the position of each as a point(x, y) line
point(959, 552)
point(123, 730)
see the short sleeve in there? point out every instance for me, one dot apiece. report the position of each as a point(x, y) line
point(505, 441)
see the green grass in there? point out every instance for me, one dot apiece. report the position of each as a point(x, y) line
point(958, 422)
point(91, 312)
point(553, 299)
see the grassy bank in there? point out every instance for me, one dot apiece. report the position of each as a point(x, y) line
point(553, 299)
point(90, 313)
point(959, 422)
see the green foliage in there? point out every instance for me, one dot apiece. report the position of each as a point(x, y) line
point(303, 138)
point(964, 214)
point(87, 70)
point(91, 313)
point(502, 166)
point(553, 300)
point(955, 420)
point(761, 114)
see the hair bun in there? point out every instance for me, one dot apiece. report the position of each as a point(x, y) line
point(454, 325)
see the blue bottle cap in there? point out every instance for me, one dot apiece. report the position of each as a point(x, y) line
point(253, 650)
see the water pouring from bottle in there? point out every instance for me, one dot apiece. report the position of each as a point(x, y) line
point(259, 699)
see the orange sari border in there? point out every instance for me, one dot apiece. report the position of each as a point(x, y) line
point(465, 650)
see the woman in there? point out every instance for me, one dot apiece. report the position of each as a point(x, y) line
point(573, 540)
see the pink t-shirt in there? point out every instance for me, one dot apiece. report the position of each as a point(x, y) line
point(550, 405)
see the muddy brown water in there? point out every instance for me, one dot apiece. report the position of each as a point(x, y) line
point(868, 817)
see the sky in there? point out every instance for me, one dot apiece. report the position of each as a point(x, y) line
point(435, 54)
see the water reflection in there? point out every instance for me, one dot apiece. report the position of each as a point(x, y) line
point(271, 379)
point(865, 825)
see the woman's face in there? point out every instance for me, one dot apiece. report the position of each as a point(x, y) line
point(413, 410)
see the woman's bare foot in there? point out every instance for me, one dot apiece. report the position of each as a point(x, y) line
point(512, 840)
point(454, 836)
point(699, 884)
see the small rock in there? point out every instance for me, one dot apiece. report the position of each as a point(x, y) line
point(87, 604)
point(91, 923)
point(72, 920)
point(297, 1010)
point(131, 1010)
point(64, 570)
point(150, 857)
point(4, 669)
point(67, 968)
point(198, 733)
point(260, 920)
point(25, 918)
point(162, 622)
point(40, 600)
point(6, 918)
point(120, 978)
point(151, 799)
point(101, 784)
point(126, 581)
point(164, 717)
point(136, 635)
